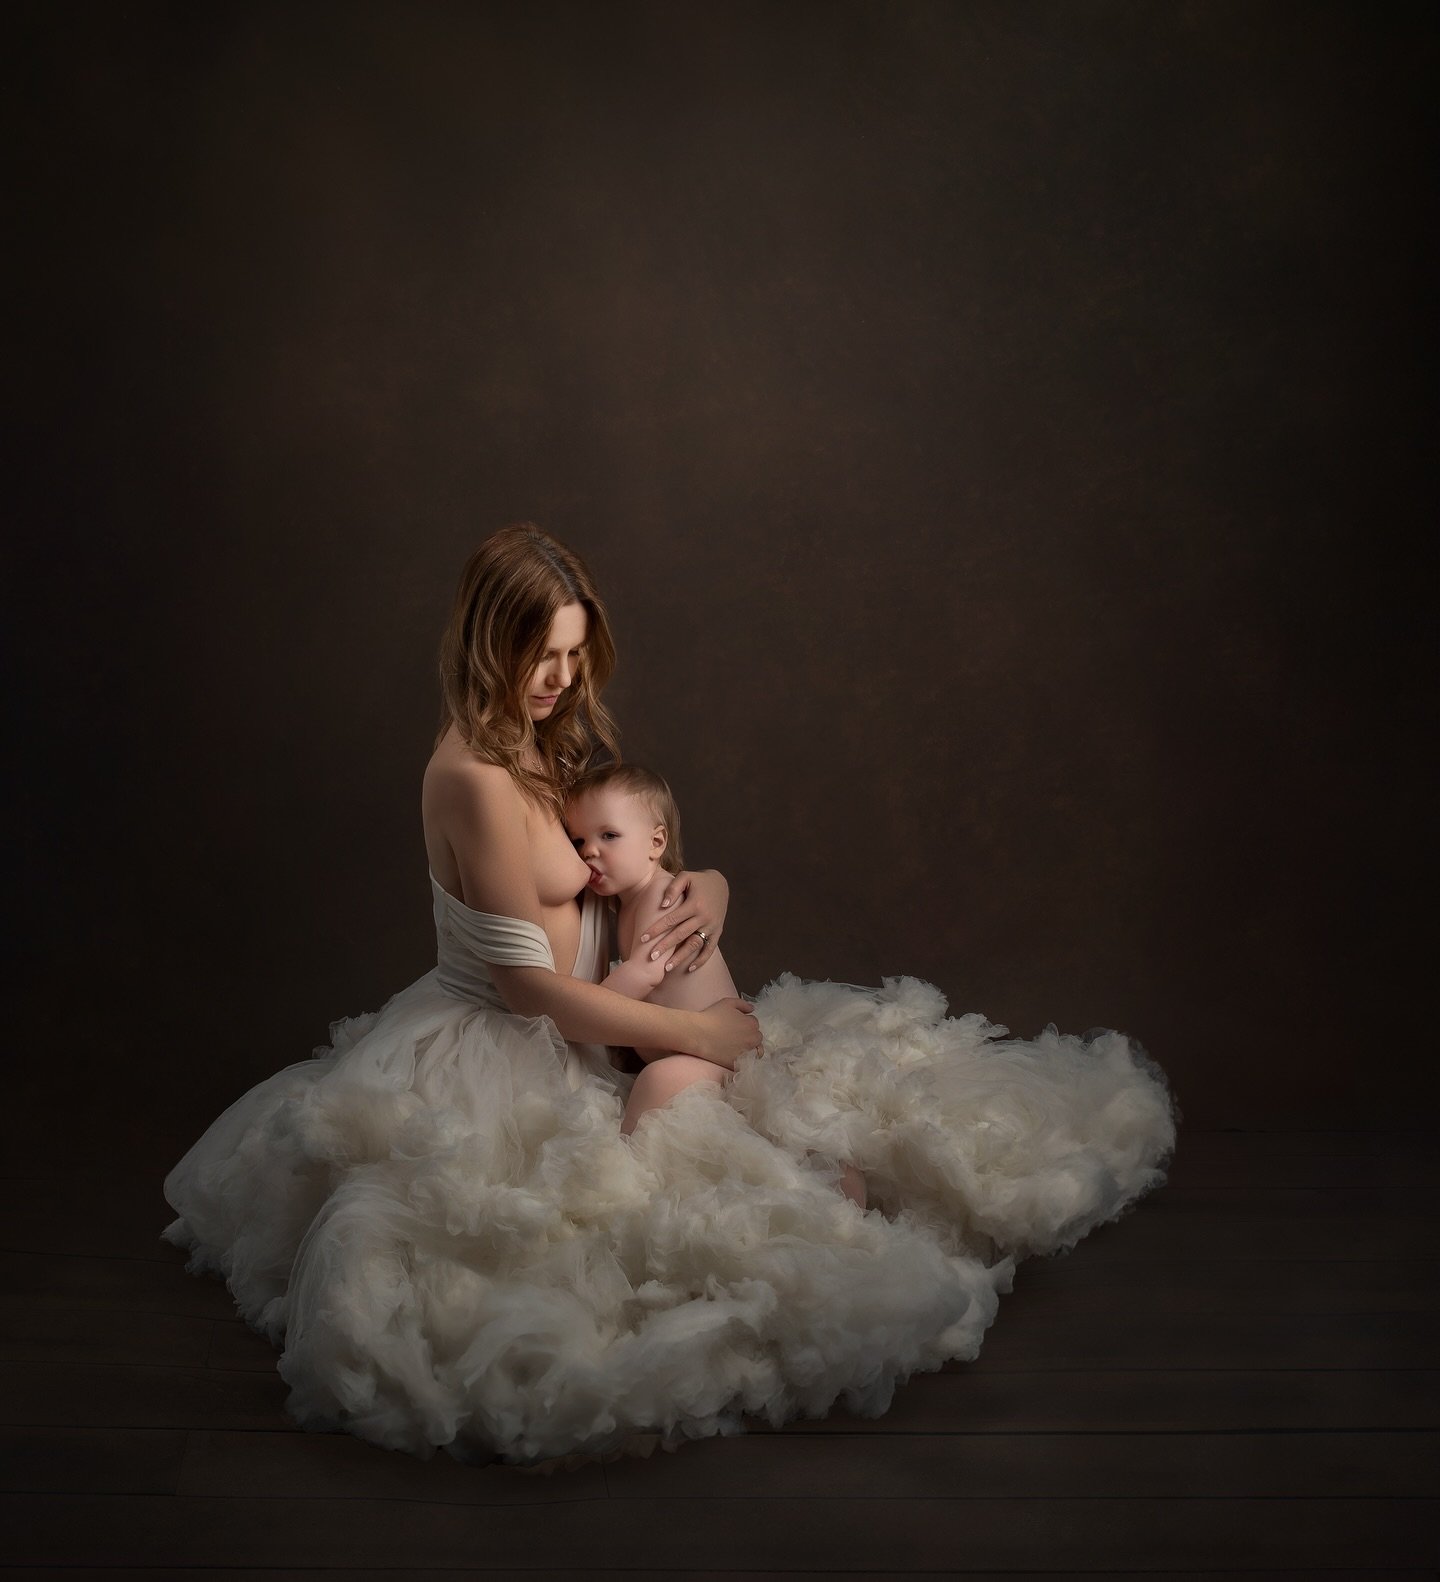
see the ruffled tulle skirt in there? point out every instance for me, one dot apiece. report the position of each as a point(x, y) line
point(456, 1248)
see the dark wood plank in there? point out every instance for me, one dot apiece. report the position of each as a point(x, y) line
point(1077, 1286)
point(234, 1345)
point(101, 1334)
point(92, 1460)
point(993, 1465)
point(1159, 1401)
point(60, 1279)
point(1251, 1171)
point(1042, 1466)
point(340, 1466)
point(1361, 1142)
point(597, 1568)
point(1214, 1223)
point(1044, 1336)
point(116, 1396)
point(1413, 1205)
point(679, 1534)
point(1246, 1170)
point(91, 1213)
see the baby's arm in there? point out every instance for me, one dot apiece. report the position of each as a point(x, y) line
point(636, 978)
point(693, 991)
point(643, 979)
point(681, 991)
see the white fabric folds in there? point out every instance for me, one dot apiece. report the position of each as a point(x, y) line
point(437, 1219)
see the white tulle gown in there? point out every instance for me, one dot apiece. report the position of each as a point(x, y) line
point(440, 1222)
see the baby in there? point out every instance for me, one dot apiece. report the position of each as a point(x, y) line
point(625, 824)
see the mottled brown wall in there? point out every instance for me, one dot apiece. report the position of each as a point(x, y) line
point(1001, 431)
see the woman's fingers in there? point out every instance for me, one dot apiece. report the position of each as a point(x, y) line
point(758, 1047)
point(678, 886)
point(686, 953)
point(707, 949)
point(755, 1041)
point(666, 931)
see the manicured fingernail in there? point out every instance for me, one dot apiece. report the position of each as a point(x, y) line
point(643, 938)
point(692, 968)
point(664, 903)
point(654, 955)
point(669, 966)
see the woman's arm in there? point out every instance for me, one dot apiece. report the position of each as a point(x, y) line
point(483, 816)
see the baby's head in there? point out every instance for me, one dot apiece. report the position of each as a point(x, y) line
point(624, 823)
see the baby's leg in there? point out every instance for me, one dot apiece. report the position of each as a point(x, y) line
point(852, 1183)
point(661, 1080)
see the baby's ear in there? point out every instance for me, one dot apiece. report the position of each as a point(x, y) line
point(659, 839)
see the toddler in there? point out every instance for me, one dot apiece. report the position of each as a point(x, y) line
point(624, 823)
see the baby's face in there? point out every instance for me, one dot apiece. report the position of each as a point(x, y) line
point(616, 835)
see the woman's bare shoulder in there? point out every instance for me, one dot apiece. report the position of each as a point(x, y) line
point(455, 775)
point(465, 805)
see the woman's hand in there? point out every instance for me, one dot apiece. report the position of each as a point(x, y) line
point(691, 902)
point(725, 1031)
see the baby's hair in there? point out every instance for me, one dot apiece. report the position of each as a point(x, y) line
point(652, 790)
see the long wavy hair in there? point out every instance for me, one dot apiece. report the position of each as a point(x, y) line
point(509, 592)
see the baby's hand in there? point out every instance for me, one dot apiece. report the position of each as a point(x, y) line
point(637, 976)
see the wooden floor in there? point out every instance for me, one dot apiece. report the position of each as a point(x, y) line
point(1238, 1378)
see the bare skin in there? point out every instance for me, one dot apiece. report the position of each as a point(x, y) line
point(496, 852)
point(623, 847)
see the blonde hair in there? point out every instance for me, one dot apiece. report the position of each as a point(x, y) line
point(509, 592)
point(653, 792)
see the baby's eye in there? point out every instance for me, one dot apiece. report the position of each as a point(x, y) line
point(610, 834)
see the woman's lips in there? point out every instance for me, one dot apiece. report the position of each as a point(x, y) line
point(550, 699)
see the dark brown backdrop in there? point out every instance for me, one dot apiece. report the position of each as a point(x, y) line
point(1001, 432)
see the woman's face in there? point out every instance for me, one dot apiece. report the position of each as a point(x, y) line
point(561, 660)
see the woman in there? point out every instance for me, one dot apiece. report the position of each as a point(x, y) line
point(441, 1216)
point(523, 664)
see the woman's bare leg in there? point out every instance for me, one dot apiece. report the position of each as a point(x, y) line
point(661, 1080)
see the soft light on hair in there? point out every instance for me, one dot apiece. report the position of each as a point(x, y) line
point(653, 792)
point(509, 592)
